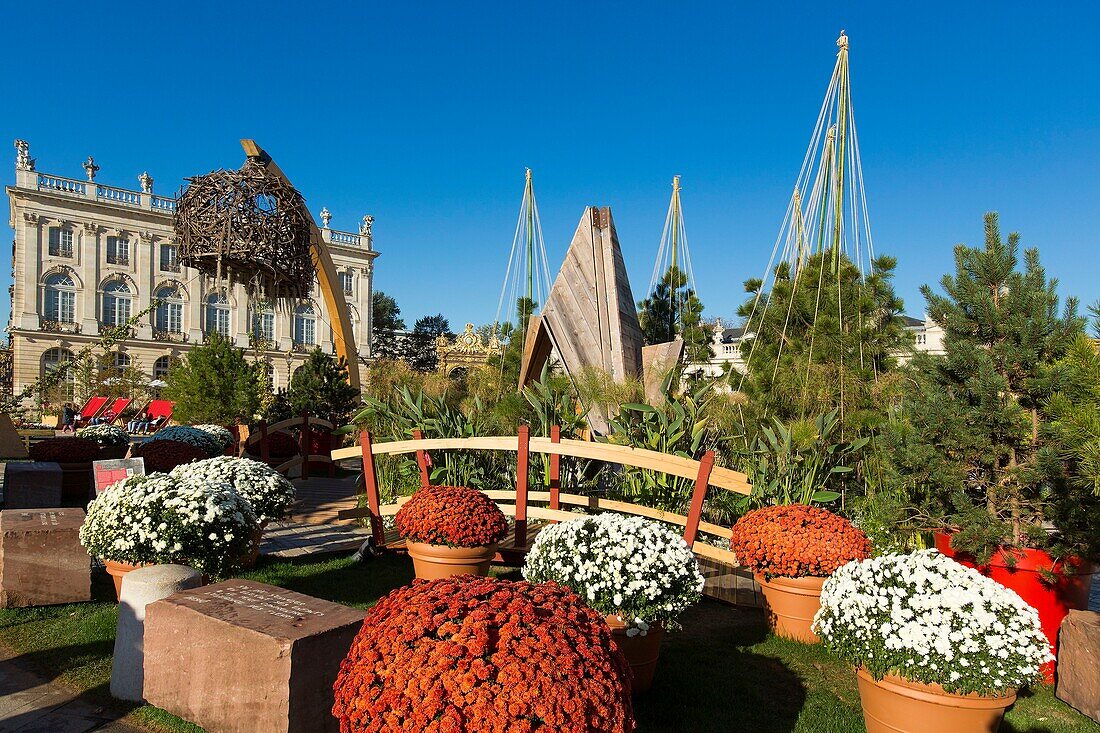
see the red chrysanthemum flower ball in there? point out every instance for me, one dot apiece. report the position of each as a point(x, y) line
point(161, 456)
point(796, 541)
point(451, 515)
point(65, 450)
point(466, 654)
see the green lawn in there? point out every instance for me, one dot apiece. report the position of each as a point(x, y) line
point(722, 673)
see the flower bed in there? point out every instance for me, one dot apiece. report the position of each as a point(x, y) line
point(930, 620)
point(454, 516)
point(65, 450)
point(208, 443)
point(105, 434)
point(160, 518)
point(796, 541)
point(269, 492)
point(219, 435)
point(479, 654)
point(164, 455)
point(623, 566)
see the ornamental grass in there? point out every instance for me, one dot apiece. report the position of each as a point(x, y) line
point(796, 541)
point(454, 516)
point(65, 450)
point(161, 456)
point(483, 655)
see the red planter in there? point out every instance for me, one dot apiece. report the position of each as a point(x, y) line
point(1020, 570)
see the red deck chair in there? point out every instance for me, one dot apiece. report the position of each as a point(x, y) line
point(117, 408)
point(91, 408)
point(160, 409)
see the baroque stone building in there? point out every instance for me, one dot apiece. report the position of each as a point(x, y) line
point(88, 255)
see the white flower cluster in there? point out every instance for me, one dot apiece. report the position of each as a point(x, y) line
point(929, 619)
point(631, 567)
point(168, 519)
point(105, 434)
point(268, 491)
point(205, 441)
point(219, 433)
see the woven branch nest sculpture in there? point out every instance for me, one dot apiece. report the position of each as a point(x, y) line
point(247, 226)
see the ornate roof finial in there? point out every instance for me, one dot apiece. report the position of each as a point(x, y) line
point(23, 159)
point(842, 42)
point(326, 216)
point(676, 183)
point(364, 228)
point(90, 168)
point(527, 175)
point(146, 182)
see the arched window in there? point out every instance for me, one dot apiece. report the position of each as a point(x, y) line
point(116, 303)
point(169, 315)
point(262, 322)
point(161, 367)
point(60, 303)
point(217, 315)
point(305, 326)
point(51, 360)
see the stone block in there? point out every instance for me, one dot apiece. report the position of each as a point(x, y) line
point(32, 485)
point(140, 588)
point(244, 657)
point(1079, 662)
point(41, 560)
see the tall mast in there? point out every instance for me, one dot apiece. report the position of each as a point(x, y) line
point(841, 138)
point(670, 259)
point(529, 203)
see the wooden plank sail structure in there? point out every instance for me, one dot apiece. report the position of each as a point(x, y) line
point(589, 320)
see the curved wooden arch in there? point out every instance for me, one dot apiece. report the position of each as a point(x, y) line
point(333, 293)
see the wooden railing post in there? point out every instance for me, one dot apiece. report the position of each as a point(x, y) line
point(265, 448)
point(370, 486)
point(422, 460)
point(554, 480)
point(523, 455)
point(304, 445)
point(698, 496)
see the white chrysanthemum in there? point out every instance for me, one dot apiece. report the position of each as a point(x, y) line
point(635, 568)
point(268, 491)
point(104, 434)
point(931, 619)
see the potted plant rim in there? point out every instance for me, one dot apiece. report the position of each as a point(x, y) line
point(790, 550)
point(451, 530)
point(639, 574)
point(937, 647)
point(267, 490)
point(161, 519)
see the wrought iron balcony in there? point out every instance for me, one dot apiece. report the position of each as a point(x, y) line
point(169, 267)
point(62, 251)
point(174, 337)
point(118, 260)
point(116, 331)
point(59, 326)
point(300, 347)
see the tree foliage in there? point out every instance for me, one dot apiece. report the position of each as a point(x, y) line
point(973, 442)
point(674, 310)
point(1074, 409)
point(822, 338)
point(319, 387)
point(214, 383)
point(386, 326)
point(420, 347)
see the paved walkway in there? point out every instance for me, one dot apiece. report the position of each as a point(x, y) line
point(295, 539)
point(31, 704)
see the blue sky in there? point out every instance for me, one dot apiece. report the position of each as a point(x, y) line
point(425, 115)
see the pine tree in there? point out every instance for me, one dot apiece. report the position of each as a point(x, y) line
point(321, 388)
point(1074, 409)
point(972, 443)
point(420, 346)
point(823, 338)
point(674, 310)
point(213, 383)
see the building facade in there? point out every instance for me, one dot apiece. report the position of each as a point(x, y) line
point(87, 256)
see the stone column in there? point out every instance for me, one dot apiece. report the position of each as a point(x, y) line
point(140, 588)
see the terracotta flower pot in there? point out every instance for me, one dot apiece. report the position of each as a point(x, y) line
point(432, 562)
point(897, 705)
point(1026, 571)
point(641, 652)
point(791, 605)
point(116, 570)
point(249, 560)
